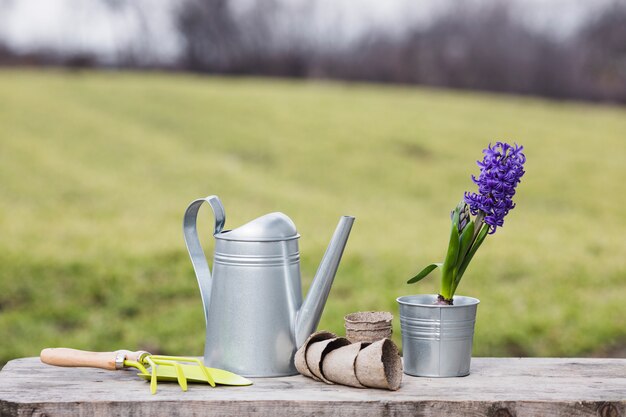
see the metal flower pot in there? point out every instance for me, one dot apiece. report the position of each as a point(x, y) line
point(437, 339)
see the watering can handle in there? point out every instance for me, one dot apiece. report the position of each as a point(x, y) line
point(190, 233)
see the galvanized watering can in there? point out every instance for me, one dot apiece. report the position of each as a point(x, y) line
point(255, 317)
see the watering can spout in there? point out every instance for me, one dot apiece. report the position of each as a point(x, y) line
point(311, 311)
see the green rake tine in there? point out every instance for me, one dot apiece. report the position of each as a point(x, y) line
point(180, 375)
point(153, 378)
point(197, 361)
point(137, 365)
point(182, 380)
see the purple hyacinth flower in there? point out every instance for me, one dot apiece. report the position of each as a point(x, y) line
point(500, 171)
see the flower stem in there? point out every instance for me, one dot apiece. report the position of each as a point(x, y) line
point(480, 219)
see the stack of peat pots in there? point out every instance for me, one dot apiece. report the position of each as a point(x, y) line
point(368, 326)
point(367, 358)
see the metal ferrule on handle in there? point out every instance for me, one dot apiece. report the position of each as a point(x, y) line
point(190, 233)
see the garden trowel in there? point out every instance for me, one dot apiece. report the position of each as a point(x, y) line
point(162, 368)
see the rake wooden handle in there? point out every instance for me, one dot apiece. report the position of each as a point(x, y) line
point(75, 358)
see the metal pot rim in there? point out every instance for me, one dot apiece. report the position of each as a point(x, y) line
point(466, 301)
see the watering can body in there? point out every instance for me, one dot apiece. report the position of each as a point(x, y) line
point(254, 311)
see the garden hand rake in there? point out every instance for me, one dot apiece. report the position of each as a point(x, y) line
point(164, 368)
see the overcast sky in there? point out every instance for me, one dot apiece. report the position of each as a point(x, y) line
point(91, 26)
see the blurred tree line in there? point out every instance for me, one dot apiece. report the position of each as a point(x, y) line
point(467, 47)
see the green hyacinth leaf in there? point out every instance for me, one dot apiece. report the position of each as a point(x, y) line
point(424, 273)
point(448, 270)
point(484, 231)
point(453, 245)
point(465, 241)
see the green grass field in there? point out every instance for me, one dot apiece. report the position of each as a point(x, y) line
point(96, 170)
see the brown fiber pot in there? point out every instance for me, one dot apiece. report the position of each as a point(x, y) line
point(379, 365)
point(368, 326)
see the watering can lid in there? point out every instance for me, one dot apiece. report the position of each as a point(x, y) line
point(271, 227)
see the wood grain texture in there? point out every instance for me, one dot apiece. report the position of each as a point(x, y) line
point(497, 387)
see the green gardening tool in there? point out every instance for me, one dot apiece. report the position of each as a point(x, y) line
point(162, 368)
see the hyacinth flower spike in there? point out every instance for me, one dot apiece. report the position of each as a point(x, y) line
point(500, 171)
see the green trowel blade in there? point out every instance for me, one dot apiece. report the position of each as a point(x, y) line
point(193, 373)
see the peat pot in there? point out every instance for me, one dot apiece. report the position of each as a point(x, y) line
point(437, 339)
point(368, 326)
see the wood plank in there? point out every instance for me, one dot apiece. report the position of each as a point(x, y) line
point(496, 387)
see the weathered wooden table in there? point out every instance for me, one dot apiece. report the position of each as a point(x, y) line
point(496, 387)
